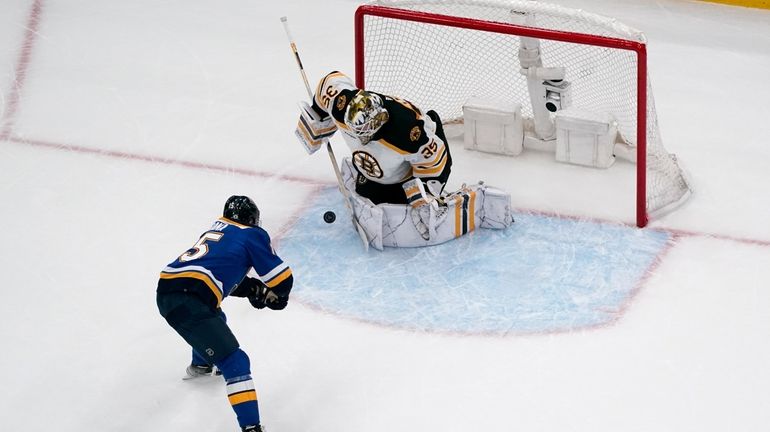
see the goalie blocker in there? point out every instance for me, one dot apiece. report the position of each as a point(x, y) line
point(312, 131)
point(448, 217)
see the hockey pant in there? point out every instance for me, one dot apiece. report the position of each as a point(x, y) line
point(202, 325)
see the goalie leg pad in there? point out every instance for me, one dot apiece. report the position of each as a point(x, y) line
point(421, 219)
point(368, 215)
point(463, 204)
point(475, 206)
point(472, 207)
point(495, 212)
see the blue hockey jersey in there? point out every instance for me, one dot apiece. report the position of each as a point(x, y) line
point(224, 254)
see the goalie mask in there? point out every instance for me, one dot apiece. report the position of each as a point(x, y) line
point(365, 115)
point(241, 209)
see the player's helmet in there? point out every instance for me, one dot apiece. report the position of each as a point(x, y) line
point(241, 209)
point(365, 114)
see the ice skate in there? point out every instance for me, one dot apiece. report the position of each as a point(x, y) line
point(198, 371)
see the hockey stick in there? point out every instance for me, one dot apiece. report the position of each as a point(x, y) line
point(329, 150)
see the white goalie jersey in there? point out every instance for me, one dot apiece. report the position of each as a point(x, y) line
point(406, 146)
point(409, 157)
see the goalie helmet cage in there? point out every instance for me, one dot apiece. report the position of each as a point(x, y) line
point(438, 54)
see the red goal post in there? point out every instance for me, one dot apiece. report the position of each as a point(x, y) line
point(391, 13)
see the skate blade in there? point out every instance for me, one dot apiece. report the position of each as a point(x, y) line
point(189, 377)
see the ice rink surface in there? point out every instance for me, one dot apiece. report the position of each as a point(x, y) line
point(125, 125)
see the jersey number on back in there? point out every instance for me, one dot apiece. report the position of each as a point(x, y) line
point(429, 150)
point(200, 248)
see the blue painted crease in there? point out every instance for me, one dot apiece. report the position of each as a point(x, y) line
point(543, 274)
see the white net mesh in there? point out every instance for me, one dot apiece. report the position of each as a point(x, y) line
point(441, 67)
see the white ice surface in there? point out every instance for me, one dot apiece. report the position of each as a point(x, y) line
point(136, 119)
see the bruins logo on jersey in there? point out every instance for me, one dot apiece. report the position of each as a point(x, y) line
point(414, 134)
point(367, 164)
point(341, 101)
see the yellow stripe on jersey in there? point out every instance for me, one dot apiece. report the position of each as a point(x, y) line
point(319, 91)
point(437, 158)
point(392, 147)
point(246, 396)
point(199, 276)
point(334, 74)
point(322, 84)
point(272, 283)
point(437, 168)
point(232, 222)
point(429, 171)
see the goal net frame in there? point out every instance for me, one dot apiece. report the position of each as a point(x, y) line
point(638, 47)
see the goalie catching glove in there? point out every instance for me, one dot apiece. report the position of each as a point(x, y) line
point(260, 296)
point(312, 130)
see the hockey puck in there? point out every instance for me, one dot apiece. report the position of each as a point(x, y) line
point(330, 217)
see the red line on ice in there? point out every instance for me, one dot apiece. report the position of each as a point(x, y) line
point(13, 99)
point(167, 161)
point(20, 71)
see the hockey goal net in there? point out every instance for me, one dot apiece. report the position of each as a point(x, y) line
point(439, 54)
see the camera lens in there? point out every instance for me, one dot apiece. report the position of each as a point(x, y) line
point(552, 101)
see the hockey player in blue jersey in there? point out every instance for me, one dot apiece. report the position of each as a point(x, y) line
point(192, 287)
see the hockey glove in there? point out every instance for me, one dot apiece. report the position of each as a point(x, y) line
point(249, 287)
point(313, 131)
point(268, 298)
point(258, 300)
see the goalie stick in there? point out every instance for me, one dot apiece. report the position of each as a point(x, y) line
point(329, 150)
